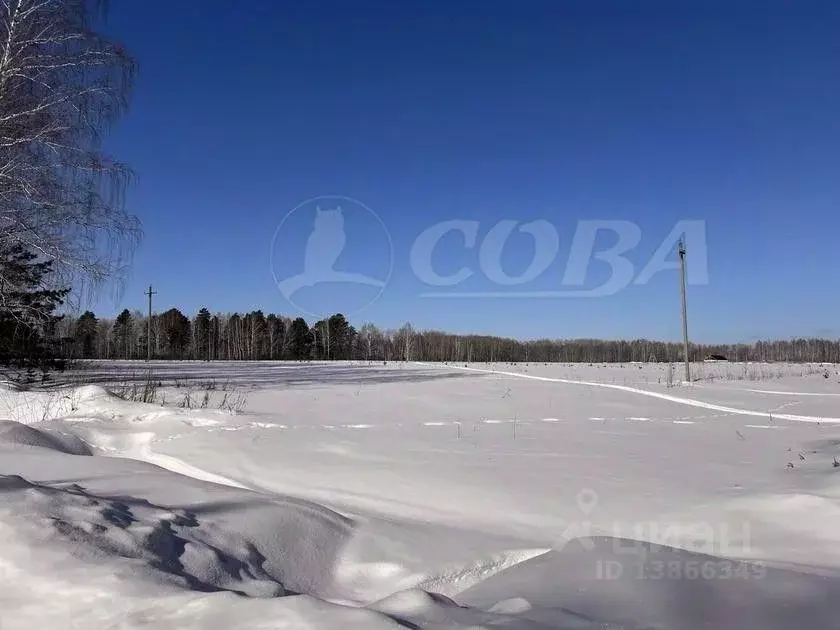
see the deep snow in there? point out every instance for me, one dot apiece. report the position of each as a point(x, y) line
point(429, 496)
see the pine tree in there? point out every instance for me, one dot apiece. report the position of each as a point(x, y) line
point(341, 336)
point(84, 335)
point(123, 333)
point(177, 330)
point(27, 305)
point(202, 334)
point(300, 343)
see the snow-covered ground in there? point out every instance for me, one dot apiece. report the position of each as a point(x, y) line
point(355, 495)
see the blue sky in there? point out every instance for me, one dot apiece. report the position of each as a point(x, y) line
point(649, 112)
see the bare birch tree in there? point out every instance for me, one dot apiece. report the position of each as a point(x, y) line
point(61, 85)
point(406, 338)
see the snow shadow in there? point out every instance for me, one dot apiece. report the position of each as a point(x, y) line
point(253, 374)
point(21, 435)
point(645, 585)
point(161, 544)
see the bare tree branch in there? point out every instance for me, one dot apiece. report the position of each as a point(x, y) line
point(61, 86)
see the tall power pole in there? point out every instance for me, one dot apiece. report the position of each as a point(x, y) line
point(150, 293)
point(684, 311)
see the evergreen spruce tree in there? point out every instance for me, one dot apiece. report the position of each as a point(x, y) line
point(341, 337)
point(300, 343)
point(202, 334)
point(27, 306)
point(123, 333)
point(84, 335)
point(177, 330)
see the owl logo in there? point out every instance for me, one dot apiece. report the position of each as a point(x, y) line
point(325, 243)
point(324, 246)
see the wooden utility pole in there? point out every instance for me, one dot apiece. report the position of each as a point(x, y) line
point(684, 312)
point(150, 293)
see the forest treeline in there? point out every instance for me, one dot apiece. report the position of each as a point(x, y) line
point(32, 332)
point(257, 336)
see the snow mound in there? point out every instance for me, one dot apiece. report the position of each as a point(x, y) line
point(15, 433)
point(219, 537)
point(158, 544)
point(90, 392)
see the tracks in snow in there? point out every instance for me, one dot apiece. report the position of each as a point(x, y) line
point(691, 402)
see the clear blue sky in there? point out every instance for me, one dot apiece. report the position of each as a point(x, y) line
point(649, 111)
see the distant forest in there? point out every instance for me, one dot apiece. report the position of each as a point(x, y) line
point(33, 333)
point(256, 336)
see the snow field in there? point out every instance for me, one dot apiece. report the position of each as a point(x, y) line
point(424, 496)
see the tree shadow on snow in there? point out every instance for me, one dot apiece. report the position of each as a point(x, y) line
point(254, 375)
